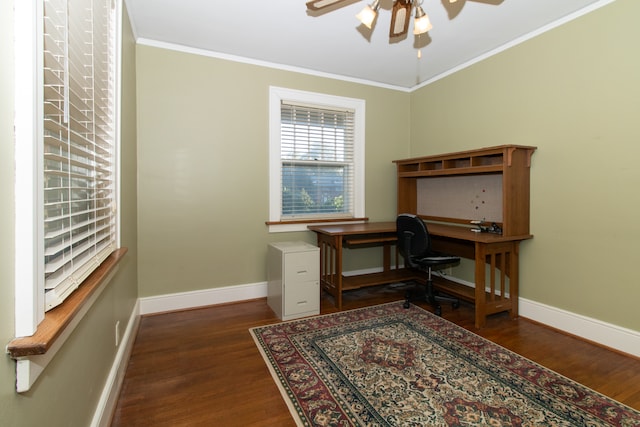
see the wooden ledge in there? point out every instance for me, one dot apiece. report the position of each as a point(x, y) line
point(56, 320)
point(316, 221)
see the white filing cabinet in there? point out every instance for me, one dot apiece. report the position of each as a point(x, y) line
point(293, 288)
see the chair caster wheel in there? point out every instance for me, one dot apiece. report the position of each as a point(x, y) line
point(438, 311)
point(406, 304)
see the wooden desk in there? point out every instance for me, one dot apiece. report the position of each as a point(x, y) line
point(496, 260)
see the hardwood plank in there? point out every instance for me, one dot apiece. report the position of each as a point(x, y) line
point(201, 366)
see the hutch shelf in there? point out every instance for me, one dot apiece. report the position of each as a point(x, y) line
point(510, 162)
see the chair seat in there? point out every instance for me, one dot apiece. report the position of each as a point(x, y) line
point(436, 259)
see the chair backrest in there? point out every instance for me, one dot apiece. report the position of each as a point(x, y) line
point(413, 236)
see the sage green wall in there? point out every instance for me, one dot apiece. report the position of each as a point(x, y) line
point(573, 92)
point(203, 166)
point(68, 391)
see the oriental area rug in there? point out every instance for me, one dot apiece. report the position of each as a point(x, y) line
point(389, 366)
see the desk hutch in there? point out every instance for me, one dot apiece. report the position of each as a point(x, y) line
point(448, 191)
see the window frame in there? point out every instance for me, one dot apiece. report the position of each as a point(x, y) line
point(29, 186)
point(276, 96)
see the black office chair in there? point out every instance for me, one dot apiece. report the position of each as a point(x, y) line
point(414, 244)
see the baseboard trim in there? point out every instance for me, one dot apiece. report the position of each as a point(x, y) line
point(111, 390)
point(202, 298)
point(606, 334)
point(603, 333)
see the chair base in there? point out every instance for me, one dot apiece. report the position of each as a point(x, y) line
point(433, 299)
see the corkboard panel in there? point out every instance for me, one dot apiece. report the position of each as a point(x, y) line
point(467, 197)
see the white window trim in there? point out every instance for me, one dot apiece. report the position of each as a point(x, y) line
point(276, 96)
point(29, 291)
point(29, 246)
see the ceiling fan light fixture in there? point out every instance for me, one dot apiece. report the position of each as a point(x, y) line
point(421, 23)
point(401, 12)
point(368, 15)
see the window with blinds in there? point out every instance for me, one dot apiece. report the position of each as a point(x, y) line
point(317, 155)
point(78, 142)
point(316, 159)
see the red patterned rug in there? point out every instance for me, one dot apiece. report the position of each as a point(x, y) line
point(387, 366)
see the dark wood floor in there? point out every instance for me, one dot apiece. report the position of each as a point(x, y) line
point(201, 367)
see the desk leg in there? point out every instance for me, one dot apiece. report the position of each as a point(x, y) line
point(386, 257)
point(514, 273)
point(480, 296)
point(337, 242)
point(502, 260)
point(331, 266)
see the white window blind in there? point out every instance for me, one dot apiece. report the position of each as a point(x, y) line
point(317, 155)
point(78, 137)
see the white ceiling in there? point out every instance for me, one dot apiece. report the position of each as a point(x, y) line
point(283, 33)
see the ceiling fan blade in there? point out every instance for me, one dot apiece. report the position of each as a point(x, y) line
point(321, 4)
point(400, 17)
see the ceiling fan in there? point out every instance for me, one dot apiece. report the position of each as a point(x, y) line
point(400, 15)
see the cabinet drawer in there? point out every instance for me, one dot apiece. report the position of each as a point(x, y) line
point(302, 297)
point(302, 267)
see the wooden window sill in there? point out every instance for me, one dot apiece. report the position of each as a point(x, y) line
point(58, 319)
point(301, 225)
point(316, 221)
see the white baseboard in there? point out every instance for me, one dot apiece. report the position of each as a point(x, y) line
point(193, 299)
point(607, 334)
point(109, 397)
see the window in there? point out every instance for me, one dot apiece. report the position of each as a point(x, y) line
point(79, 225)
point(316, 159)
point(65, 149)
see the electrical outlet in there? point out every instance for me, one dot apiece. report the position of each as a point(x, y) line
point(117, 333)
